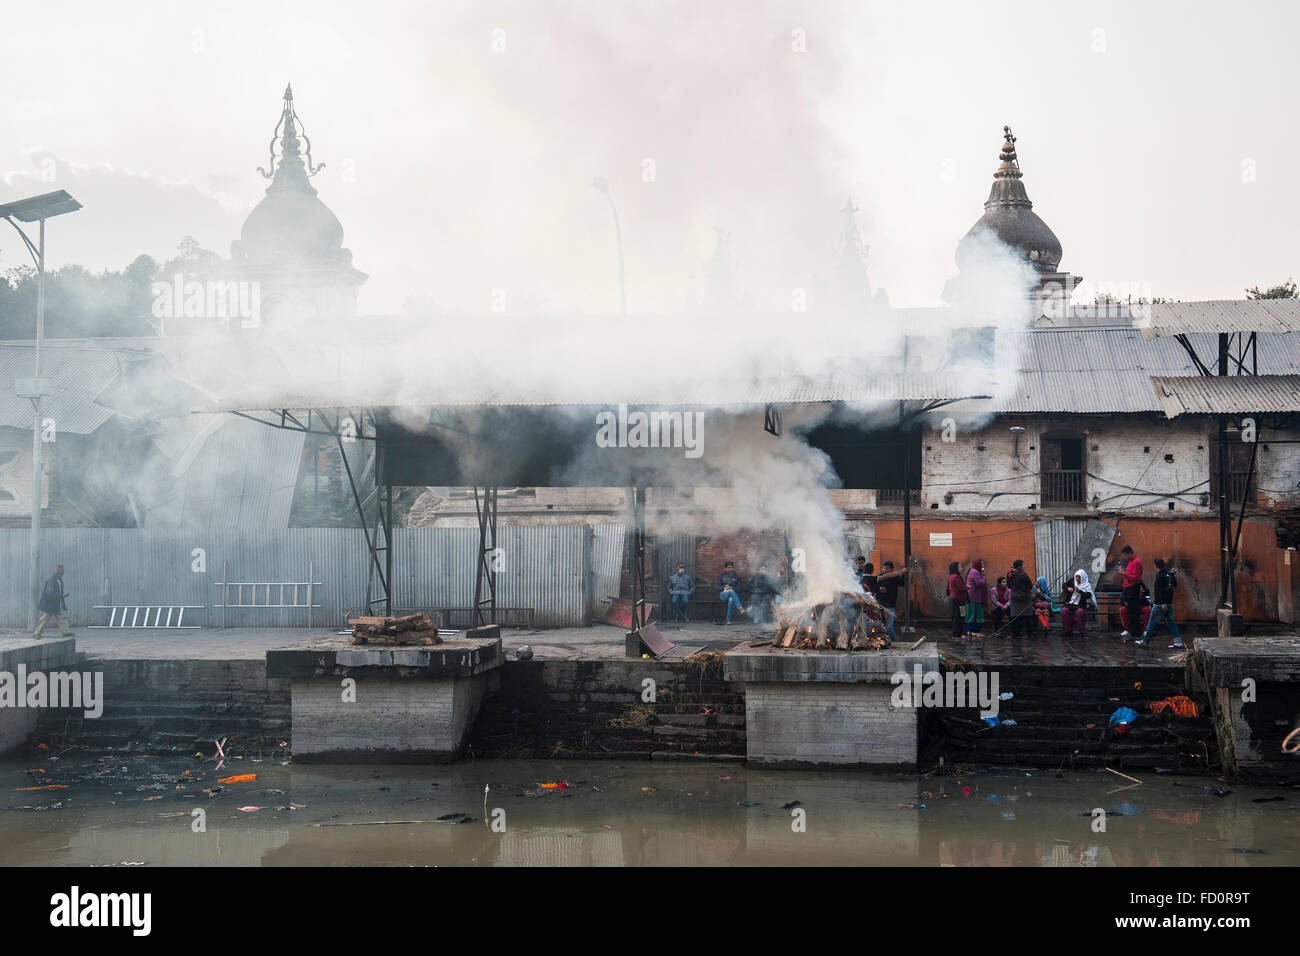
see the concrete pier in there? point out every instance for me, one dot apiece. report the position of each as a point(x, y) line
point(33, 654)
point(1255, 685)
point(384, 704)
point(827, 708)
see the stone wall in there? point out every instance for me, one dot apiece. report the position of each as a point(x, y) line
point(392, 718)
point(791, 724)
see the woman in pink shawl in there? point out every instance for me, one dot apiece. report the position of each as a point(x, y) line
point(977, 590)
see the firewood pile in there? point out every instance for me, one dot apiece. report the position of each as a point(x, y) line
point(412, 629)
point(853, 623)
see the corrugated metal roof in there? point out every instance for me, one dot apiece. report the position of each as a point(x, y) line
point(575, 391)
point(1226, 394)
point(1274, 316)
point(1091, 371)
point(243, 476)
point(77, 375)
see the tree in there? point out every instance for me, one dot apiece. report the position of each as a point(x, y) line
point(1287, 290)
point(82, 304)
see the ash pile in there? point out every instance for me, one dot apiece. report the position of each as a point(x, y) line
point(854, 622)
point(412, 629)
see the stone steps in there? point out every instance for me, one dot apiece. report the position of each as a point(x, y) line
point(1052, 708)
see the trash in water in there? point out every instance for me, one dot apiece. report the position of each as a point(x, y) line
point(1006, 695)
point(746, 803)
point(647, 789)
point(1009, 723)
point(791, 805)
point(557, 785)
point(992, 721)
point(249, 809)
point(238, 778)
point(457, 817)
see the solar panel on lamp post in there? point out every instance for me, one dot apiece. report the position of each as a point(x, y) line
point(36, 209)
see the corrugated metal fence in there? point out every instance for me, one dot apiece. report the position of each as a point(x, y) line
point(564, 572)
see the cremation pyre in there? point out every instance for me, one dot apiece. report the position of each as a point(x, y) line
point(853, 622)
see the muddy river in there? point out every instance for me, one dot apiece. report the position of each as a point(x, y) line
point(173, 811)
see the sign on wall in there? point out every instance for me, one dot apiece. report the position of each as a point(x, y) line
point(943, 540)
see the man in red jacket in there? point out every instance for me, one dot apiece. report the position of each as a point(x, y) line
point(1132, 589)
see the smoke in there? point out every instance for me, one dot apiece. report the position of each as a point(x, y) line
point(699, 125)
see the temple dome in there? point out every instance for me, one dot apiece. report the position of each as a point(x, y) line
point(1010, 216)
point(291, 224)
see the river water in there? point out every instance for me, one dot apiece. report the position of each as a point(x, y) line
point(140, 811)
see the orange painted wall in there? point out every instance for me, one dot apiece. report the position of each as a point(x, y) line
point(1191, 543)
point(998, 542)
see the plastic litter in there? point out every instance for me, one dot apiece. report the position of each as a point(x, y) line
point(1123, 715)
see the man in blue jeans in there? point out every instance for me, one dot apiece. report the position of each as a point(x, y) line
point(681, 586)
point(1162, 603)
point(729, 589)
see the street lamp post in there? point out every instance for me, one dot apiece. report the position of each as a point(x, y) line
point(36, 209)
point(602, 184)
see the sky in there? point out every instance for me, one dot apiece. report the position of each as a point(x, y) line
point(461, 139)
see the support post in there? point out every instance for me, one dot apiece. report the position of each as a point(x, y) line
point(907, 526)
point(637, 542)
point(372, 542)
point(485, 575)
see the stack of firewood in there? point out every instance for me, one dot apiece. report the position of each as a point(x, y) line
point(852, 623)
point(412, 629)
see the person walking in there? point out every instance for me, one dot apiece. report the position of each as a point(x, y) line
point(1001, 595)
point(1132, 594)
point(1162, 604)
point(1022, 600)
point(53, 605)
point(957, 600)
point(977, 592)
point(680, 587)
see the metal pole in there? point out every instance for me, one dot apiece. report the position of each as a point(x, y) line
point(907, 526)
point(34, 575)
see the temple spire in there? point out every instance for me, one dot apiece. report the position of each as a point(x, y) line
point(288, 170)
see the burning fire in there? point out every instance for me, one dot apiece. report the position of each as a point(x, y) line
point(854, 622)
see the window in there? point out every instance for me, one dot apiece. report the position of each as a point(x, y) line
point(1062, 470)
point(894, 496)
point(1239, 489)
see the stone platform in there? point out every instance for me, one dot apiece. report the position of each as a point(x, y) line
point(1255, 685)
point(32, 654)
point(380, 703)
point(828, 708)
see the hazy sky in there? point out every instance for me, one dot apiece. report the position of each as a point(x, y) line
point(1158, 140)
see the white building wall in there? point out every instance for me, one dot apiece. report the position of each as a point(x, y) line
point(1168, 460)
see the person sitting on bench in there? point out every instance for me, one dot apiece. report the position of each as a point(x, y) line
point(762, 592)
point(729, 590)
point(681, 586)
point(1077, 598)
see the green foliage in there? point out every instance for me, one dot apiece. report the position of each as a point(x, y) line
point(83, 304)
point(1287, 290)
